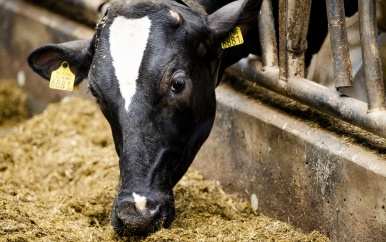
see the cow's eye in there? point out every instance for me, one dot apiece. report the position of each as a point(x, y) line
point(177, 84)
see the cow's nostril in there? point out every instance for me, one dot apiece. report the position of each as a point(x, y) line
point(159, 216)
point(127, 219)
point(116, 222)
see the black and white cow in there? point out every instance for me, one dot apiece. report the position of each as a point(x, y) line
point(153, 66)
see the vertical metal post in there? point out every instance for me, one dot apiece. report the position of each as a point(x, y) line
point(298, 15)
point(293, 28)
point(370, 55)
point(339, 44)
point(267, 35)
point(282, 39)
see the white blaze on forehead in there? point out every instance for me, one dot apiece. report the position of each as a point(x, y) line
point(140, 201)
point(128, 40)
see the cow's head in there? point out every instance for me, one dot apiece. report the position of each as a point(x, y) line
point(152, 66)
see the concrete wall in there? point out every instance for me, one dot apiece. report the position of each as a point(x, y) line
point(301, 174)
point(304, 175)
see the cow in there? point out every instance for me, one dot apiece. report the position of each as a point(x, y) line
point(153, 66)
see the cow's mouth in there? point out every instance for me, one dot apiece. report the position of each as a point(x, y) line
point(129, 219)
point(146, 203)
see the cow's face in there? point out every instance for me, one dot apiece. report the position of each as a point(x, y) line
point(153, 69)
point(156, 89)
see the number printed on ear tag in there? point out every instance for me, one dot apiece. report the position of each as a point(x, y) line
point(233, 39)
point(62, 78)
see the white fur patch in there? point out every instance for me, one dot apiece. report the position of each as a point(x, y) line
point(140, 201)
point(128, 40)
point(175, 15)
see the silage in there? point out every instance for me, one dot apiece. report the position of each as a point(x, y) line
point(59, 175)
point(13, 103)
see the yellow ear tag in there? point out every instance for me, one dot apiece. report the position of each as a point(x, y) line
point(62, 78)
point(233, 39)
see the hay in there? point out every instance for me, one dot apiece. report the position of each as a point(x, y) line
point(13, 103)
point(59, 175)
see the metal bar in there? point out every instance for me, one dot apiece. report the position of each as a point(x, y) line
point(370, 55)
point(282, 39)
point(293, 28)
point(267, 35)
point(314, 95)
point(298, 14)
point(339, 44)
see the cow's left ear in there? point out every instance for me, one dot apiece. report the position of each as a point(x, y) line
point(48, 58)
point(240, 13)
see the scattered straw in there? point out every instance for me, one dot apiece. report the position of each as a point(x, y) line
point(13, 103)
point(59, 175)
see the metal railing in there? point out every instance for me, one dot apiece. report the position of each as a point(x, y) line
point(286, 76)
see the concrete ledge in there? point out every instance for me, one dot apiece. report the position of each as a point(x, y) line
point(84, 11)
point(303, 175)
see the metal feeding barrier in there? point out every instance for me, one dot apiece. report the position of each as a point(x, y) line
point(286, 75)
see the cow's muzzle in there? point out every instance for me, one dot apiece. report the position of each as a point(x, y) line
point(138, 215)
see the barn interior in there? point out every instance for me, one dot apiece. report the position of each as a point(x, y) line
point(307, 155)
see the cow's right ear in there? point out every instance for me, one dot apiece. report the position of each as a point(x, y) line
point(48, 58)
point(240, 13)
